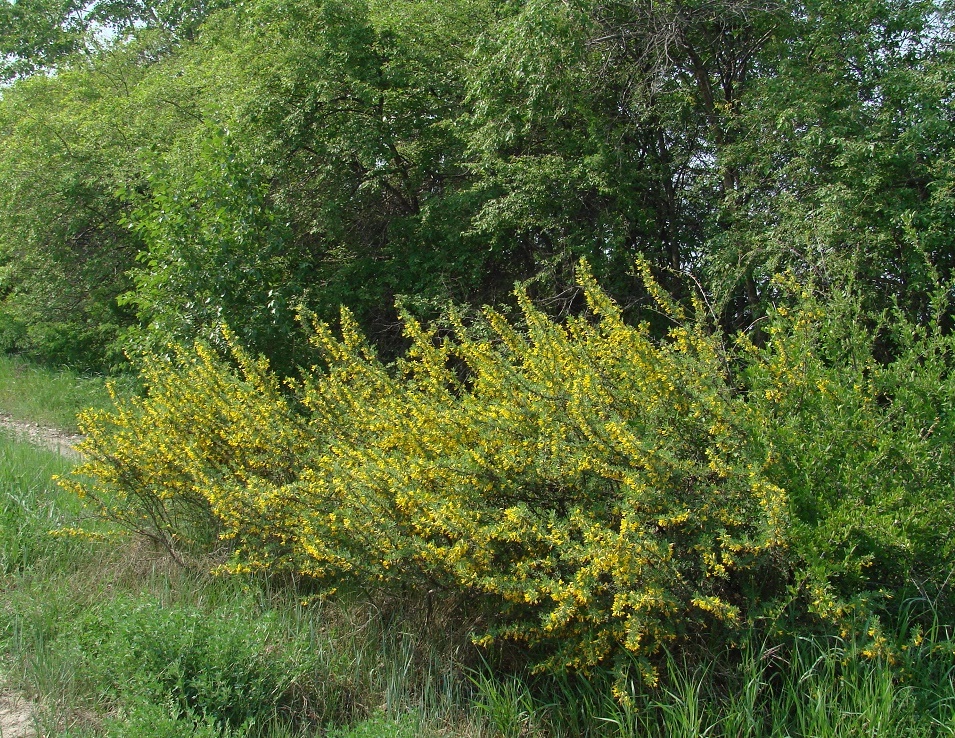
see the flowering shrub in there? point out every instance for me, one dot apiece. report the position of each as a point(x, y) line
point(597, 485)
point(164, 465)
point(597, 492)
point(856, 414)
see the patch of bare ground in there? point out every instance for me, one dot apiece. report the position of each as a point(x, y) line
point(52, 438)
point(16, 715)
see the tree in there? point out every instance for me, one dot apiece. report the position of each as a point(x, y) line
point(441, 151)
point(38, 36)
point(214, 254)
point(71, 150)
point(599, 127)
point(843, 153)
point(63, 253)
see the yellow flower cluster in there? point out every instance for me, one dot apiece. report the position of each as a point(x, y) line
point(178, 464)
point(595, 488)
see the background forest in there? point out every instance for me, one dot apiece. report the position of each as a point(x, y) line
point(167, 166)
point(609, 331)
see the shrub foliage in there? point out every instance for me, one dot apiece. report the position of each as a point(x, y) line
point(590, 490)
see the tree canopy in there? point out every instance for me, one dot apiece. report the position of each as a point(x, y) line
point(168, 166)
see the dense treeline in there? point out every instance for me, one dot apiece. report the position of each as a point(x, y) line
point(165, 167)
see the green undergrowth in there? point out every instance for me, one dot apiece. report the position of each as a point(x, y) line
point(30, 506)
point(52, 397)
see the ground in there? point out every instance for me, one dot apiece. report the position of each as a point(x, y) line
point(16, 716)
point(51, 438)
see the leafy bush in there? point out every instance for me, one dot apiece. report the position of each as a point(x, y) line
point(158, 461)
point(214, 248)
point(855, 412)
point(587, 489)
point(149, 720)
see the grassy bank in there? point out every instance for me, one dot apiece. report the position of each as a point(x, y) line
point(113, 639)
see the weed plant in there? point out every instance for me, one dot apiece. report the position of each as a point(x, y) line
point(129, 651)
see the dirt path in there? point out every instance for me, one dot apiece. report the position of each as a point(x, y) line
point(51, 438)
point(16, 716)
point(17, 712)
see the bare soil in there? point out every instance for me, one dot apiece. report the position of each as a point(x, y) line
point(16, 716)
point(52, 438)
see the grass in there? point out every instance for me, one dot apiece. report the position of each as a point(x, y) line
point(30, 505)
point(51, 397)
point(115, 640)
point(199, 656)
point(814, 689)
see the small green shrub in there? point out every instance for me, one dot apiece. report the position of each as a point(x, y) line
point(145, 719)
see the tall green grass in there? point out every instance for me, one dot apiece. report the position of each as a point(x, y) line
point(51, 397)
point(31, 505)
point(822, 688)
